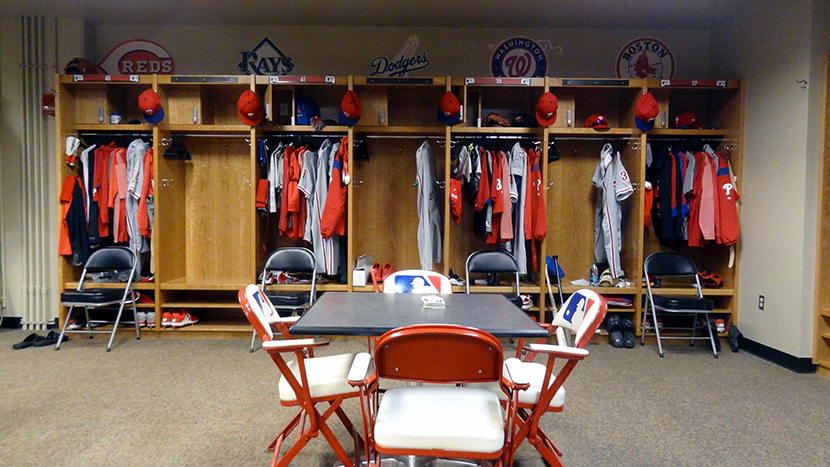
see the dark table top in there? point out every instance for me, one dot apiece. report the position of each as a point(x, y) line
point(372, 314)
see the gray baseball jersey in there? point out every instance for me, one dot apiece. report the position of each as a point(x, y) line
point(518, 192)
point(614, 185)
point(429, 221)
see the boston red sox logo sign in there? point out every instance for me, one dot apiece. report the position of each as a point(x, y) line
point(645, 57)
point(519, 57)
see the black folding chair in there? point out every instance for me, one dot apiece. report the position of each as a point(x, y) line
point(492, 263)
point(681, 269)
point(115, 263)
point(289, 260)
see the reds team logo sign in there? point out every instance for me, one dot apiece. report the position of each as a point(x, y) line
point(645, 58)
point(519, 57)
point(138, 57)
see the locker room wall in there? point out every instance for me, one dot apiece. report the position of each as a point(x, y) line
point(781, 154)
point(737, 50)
point(454, 52)
point(71, 44)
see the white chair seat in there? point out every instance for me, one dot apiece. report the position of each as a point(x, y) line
point(440, 417)
point(526, 372)
point(326, 376)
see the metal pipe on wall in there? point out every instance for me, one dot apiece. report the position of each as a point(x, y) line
point(34, 165)
point(24, 164)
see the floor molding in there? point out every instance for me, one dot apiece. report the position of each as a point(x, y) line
point(790, 362)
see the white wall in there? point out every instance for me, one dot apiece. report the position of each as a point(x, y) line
point(350, 50)
point(70, 44)
point(772, 51)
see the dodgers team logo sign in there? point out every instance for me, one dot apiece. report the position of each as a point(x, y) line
point(138, 57)
point(265, 59)
point(407, 60)
point(645, 57)
point(519, 57)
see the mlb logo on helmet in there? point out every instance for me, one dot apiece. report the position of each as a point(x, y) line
point(249, 108)
point(597, 122)
point(350, 109)
point(449, 110)
point(546, 109)
point(646, 112)
point(150, 106)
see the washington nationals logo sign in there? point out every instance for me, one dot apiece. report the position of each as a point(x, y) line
point(645, 57)
point(519, 57)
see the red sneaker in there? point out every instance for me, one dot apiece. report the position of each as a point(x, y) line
point(183, 319)
point(387, 271)
point(166, 319)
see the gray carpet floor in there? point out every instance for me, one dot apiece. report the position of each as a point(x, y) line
point(171, 402)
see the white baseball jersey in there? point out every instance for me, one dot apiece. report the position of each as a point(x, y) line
point(614, 185)
point(429, 221)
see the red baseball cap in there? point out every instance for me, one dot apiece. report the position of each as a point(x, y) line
point(150, 106)
point(546, 109)
point(597, 122)
point(350, 109)
point(449, 109)
point(646, 112)
point(249, 108)
point(686, 120)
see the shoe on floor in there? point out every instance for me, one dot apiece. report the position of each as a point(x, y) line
point(734, 336)
point(628, 333)
point(613, 324)
point(74, 325)
point(28, 341)
point(50, 339)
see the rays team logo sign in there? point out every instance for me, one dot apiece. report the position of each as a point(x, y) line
point(407, 60)
point(645, 58)
point(138, 57)
point(519, 57)
point(265, 59)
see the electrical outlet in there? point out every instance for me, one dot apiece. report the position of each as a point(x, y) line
point(761, 302)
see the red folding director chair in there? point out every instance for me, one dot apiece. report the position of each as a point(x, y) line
point(306, 381)
point(445, 419)
point(582, 314)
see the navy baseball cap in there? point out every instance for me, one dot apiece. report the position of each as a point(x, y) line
point(306, 109)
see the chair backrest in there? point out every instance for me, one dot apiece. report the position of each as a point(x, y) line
point(669, 264)
point(439, 353)
point(292, 259)
point(581, 313)
point(110, 259)
point(491, 262)
point(417, 281)
point(258, 310)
